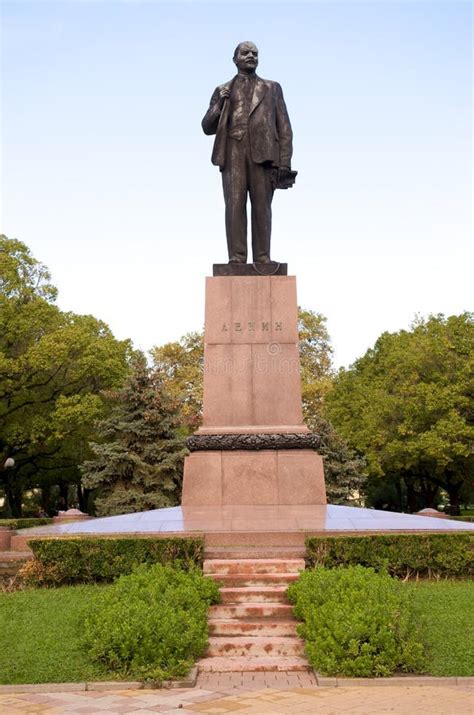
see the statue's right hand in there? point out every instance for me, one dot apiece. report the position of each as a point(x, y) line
point(224, 93)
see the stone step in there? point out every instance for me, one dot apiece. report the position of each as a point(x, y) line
point(274, 646)
point(254, 538)
point(14, 555)
point(20, 542)
point(254, 594)
point(12, 561)
point(252, 664)
point(256, 580)
point(237, 553)
point(253, 566)
point(252, 610)
point(251, 627)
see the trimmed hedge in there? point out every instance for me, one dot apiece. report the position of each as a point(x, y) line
point(26, 523)
point(93, 560)
point(357, 622)
point(152, 623)
point(402, 555)
point(463, 518)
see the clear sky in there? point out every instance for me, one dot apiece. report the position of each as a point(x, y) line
point(107, 176)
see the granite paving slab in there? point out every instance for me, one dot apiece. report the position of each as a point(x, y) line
point(258, 693)
point(202, 520)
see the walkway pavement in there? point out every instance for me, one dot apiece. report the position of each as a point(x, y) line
point(255, 693)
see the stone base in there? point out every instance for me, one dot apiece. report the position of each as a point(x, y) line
point(250, 269)
point(5, 537)
point(263, 478)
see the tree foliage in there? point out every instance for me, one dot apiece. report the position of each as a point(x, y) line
point(345, 472)
point(53, 368)
point(137, 465)
point(408, 404)
point(315, 361)
point(21, 275)
point(181, 367)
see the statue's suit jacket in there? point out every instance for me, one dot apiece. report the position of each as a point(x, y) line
point(269, 127)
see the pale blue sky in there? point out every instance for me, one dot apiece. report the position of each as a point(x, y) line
point(107, 174)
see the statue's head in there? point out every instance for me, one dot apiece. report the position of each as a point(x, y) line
point(246, 56)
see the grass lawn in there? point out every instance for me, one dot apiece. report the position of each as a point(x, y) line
point(40, 632)
point(448, 611)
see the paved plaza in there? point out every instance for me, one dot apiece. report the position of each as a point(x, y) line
point(255, 693)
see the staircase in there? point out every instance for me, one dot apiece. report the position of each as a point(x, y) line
point(12, 561)
point(253, 628)
point(14, 552)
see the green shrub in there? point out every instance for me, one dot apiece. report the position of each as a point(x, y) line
point(463, 518)
point(357, 622)
point(94, 560)
point(151, 624)
point(402, 555)
point(25, 523)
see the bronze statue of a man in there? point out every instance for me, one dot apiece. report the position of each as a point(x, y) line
point(253, 149)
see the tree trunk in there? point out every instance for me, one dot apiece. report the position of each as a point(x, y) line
point(83, 498)
point(46, 498)
point(429, 494)
point(454, 492)
point(399, 490)
point(17, 500)
point(63, 495)
point(13, 497)
point(412, 501)
point(8, 507)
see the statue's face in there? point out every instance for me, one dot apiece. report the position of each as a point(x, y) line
point(247, 57)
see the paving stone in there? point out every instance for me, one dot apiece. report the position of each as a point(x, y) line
point(114, 685)
point(264, 693)
point(46, 688)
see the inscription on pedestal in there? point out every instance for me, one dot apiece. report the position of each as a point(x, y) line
point(251, 310)
point(252, 326)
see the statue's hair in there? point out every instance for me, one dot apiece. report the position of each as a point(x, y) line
point(246, 42)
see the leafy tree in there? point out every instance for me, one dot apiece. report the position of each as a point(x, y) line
point(316, 362)
point(387, 493)
point(21, 275)
point(180, 365)
point(138, 464)
point(53, 368)
point(344, 471)
point(408, 404)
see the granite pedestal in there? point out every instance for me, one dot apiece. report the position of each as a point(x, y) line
point(252, 387)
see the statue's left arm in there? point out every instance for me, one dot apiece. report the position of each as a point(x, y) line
point(285, 133)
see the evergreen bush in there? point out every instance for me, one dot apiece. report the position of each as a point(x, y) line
point(26, 523)
point(94, 560)
point(151, 624)
point(402, 555)
point(357, 622)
